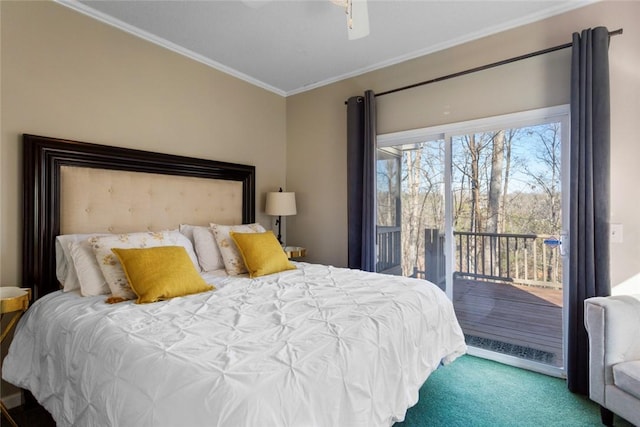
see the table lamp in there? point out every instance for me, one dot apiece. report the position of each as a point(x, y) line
point(280, 203)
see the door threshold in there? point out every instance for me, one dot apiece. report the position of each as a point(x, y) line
point(517, 362)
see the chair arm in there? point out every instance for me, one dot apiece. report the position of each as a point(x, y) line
point(614, 336)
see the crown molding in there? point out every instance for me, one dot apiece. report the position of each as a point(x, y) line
point(109, 20)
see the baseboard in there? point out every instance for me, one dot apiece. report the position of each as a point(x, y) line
point(13, 400)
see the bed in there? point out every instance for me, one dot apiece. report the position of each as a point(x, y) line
point(307, 345)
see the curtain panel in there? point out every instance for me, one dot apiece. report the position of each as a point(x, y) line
point(361, 172)
point(589, 192)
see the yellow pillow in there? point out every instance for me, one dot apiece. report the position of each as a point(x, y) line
point(160, 272)
point(262, 253)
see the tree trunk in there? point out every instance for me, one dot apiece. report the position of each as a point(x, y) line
point(475, 184)
point(493, 208)
point(411, 227)
point(505, 187)
point(495, 183)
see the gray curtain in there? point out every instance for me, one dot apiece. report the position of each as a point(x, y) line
point(589, 192)
point(361, 192)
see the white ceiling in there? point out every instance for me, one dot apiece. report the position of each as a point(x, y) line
point(289, 47)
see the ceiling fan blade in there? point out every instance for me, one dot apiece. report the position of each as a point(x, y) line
point(358, 20)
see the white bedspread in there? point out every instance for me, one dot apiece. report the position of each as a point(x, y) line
point(317, 346)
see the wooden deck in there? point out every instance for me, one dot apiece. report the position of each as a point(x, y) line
point(524, 316)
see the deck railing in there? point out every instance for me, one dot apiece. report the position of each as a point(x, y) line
point(389, 248)
point(518, 258)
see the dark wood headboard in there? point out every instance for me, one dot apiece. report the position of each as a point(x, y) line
point(43, 158)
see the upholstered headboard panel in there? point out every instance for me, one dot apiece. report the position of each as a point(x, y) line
point(100, 200)
point(75, 187)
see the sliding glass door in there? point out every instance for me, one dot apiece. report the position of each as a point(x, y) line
point(476, 208)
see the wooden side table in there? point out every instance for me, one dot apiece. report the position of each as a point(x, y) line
point(295, 251)
point(16, 301)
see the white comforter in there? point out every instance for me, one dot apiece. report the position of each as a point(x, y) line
point(316, 346)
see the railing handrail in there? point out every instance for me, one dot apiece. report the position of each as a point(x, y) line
point(381, 229)
point(483, 234)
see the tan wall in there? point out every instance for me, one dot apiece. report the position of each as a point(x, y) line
point(66, 75)
point(69, 76)
point(316, 126)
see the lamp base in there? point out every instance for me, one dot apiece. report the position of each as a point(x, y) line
point(279, 223)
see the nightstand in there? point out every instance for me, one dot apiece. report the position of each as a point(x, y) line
point(295, 252)
point(12, 300)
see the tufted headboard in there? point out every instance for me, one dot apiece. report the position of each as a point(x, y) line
point(99, 200)
point(74, 187)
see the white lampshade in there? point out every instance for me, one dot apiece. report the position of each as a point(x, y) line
point(280, 203)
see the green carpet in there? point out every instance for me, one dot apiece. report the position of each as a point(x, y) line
point(476, 392)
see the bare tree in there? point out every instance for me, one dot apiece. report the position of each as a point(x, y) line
point(387, 192)
point(510, 134)
point(411, 212)
point(475, 151)
point(503, 180)
point(544, 172)
point(461, 186)
point(494, 211)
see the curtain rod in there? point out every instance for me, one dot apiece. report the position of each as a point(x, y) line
point(487, 66)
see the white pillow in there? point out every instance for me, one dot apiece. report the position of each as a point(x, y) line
point(181, 240)
point(209, 256)
point(187, 230)
point(90, 276)
point(65, 270)
point(62, 263)
point(111, 267)
point(233, 262)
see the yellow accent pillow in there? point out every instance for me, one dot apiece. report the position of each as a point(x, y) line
point(262, 253)
point(160, 273)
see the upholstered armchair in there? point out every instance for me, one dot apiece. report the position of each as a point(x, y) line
point(613, 324)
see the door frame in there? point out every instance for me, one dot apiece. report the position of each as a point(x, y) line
point(446, 132)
